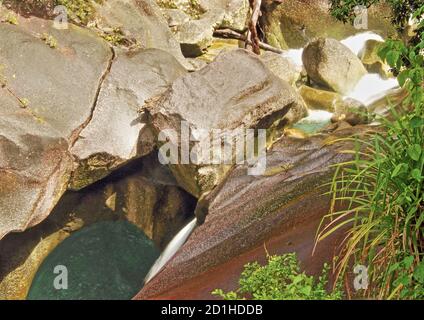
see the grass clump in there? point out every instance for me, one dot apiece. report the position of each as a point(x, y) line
point(382, 188)
point(49, 40)
point(80, 11)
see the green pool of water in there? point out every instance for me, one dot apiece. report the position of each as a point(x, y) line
point(107, 260)
point(311, 127)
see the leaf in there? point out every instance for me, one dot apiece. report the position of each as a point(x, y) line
point(414, 152)
point(392, 58)
point(416, 122)
point(419, 273)
point(402, 77)
point(399, 168)
point(407, 262)
point(416, 174)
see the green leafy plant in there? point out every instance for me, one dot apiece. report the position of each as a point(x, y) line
point(80, 11)
point(381, 189)
point(280, 279)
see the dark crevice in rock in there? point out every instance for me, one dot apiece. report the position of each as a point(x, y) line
point(76, 133)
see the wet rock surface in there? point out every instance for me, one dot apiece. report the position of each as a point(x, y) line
point(245, 209)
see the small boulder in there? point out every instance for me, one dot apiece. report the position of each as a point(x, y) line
point(331, 64)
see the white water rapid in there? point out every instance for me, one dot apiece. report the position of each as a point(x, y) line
point(171, 249)
point(369, 89)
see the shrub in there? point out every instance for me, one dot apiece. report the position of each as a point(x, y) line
point(280, 279)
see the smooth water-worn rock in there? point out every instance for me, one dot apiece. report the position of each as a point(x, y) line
point(221, 97)
point(67, 76)
point(116, 134)
point(331, 64)
point(281, 66)
point(293, 23)
point(317, 99)
point(145, 193)
point(34, 166)
point(143, 21)
point(47, 97)
point(244, 210)
point(107, 260)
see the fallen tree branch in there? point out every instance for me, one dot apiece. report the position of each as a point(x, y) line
point(231, 34)
point(252, 35)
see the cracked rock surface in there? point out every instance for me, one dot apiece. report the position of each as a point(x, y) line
point(115, 133)
point(40, 118)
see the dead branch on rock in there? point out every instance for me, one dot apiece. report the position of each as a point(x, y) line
point(252, 35)
point(231, 34)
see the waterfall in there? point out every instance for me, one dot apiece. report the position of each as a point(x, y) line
point(357, 42)
point(171, 249)
point(372, 87)
point(295, 55)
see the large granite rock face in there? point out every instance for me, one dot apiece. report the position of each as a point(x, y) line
point(115, 134)
point(293, 23)
point(245, 210)
point(236, 91)
point(331, 64)
point(47, 97)
point(143, 21)
point(67, 76)
point(75, 95)
point(144, 193)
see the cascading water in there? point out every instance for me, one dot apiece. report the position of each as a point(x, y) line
point(294, 55)
point(171, 249)
point(357, 42)
point(371, 88)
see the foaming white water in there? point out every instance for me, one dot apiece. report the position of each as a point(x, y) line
point(295, 55)
point(317, 116)
point(171, 249)
point(371, 88)
point(357, 42)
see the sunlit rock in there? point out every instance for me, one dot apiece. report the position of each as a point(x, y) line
point(221, 97)
point(331, 64)
point(116, 134)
